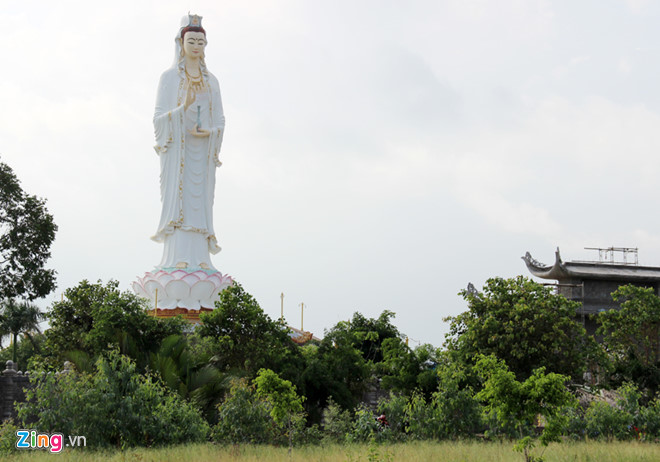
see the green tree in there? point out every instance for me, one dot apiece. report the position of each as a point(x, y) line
point(244, 339)
point(404, 370)
point(337, 369)
point(367, 334)
point(94, 318)
point(631, 335)
point(189, 374)
point(285, 404)
point(27, 231)
point(344, 364)
point(524, 324)
point(17, 318)
point(27, 348)
point(518, 404)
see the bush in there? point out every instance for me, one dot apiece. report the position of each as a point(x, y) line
point(364, 428)
point(243, 418)
point(649, 421)
point(394, 410)
point(336, 422)
point(422, 418)
point(8, 437)
point(606, 421)
point(115, 406)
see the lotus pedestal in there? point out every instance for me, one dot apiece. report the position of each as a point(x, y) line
point(174, 291)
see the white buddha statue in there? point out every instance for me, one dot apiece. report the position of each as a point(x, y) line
point(189, 125)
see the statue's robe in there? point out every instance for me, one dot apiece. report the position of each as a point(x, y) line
point(187, 169)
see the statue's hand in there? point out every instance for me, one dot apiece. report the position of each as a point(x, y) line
point(199, 132)
point(190, 98)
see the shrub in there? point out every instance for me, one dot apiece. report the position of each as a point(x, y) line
point(394, 410)
point(606, 421)
point(243, 418)
point(8, 437)
point(364, 428)
point(336, 422)
point(422, 418)
point(115, 406)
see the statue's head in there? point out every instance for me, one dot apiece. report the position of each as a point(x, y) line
point(193, 39)
point(190, 41)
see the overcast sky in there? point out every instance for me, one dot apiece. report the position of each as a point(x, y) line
point(378, 154)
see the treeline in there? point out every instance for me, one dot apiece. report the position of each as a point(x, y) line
point(517, 364)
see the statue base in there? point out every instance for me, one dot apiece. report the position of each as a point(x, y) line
point(189, 315)
point(170, 290)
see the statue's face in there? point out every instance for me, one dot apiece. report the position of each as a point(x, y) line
point(193, 44)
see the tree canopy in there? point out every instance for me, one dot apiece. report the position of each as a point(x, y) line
point(27, 231)
point(244, 339)
point(632, 337)
point(94, 318)
point(524, 324)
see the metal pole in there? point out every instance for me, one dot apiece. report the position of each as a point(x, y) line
point(282, 308)
point(302, 308)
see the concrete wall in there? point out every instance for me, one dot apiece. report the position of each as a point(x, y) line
point(12, 384)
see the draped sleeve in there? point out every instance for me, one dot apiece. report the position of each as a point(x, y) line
point(218, 117)
point(169, 130)
point(167, 111)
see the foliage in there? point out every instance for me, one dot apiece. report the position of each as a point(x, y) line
point(27, 231)
point(364, 427)
point(345, 361)
point(94, 318)
point(366, 334)
point(244, 339)
point(394, 410)
point(26, 349)
point(605, 421)
point(458, 410)
point(189, 374)
point(8, 431)
point(336, 422)
point(19, 318)
point(423, 421)
point(404, 370)
point(632, 336)
point(520, 403)
point(335, 369)
point(524, 324)
point(285, 406)
point(626, 419)
point(115, 406)
point(243, 418)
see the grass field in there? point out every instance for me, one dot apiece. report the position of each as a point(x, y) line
point(418, 451)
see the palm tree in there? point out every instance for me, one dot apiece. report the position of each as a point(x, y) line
point(17, 318)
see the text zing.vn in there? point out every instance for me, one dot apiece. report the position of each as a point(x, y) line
point(30, 439)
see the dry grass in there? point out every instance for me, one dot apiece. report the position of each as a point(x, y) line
point(417, 451)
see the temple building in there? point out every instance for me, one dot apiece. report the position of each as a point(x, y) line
point(592, 282)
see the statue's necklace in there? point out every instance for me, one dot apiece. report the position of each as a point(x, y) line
point(196, 83)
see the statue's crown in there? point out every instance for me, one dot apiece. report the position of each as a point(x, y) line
point(194, 20)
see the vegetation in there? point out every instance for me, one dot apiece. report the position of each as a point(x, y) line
point(450, 451)
point(524, 324)
point(19, 318)
point(27, 231)
point(631, 335)
point(113, 407)
point(237, 379)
